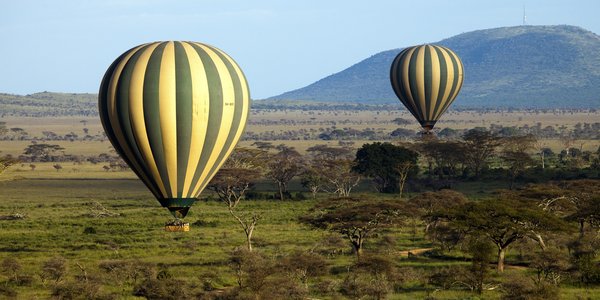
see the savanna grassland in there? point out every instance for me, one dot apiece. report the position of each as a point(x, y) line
point(89, 229)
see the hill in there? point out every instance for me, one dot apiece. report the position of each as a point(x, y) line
point(523, 66)
point(49, 104)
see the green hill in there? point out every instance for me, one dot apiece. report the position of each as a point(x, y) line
point(524, 66)
point(49, 104)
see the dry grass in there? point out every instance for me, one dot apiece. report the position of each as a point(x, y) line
point(317, 120)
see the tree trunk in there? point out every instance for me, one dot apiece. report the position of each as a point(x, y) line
point(249, 238)
point(357, 245)
point(280, 185)
point(581, 228)
point(402, 182)
point(501, 254)
point(512, 182)
point(543, 161)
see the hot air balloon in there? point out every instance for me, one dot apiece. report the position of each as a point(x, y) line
point(426, 79)
point(174, 111)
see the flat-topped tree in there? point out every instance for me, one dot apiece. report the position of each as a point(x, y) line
point(503, 222)
point(356, 219)
point(283, 166)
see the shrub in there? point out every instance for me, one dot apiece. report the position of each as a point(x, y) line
point(10, 267)
point(303, 266)
point(76, 290)
point(54, 269)
point(519, 287)
point(165, 289)
point(7, 292)
point(282, 287)
point(364, 286)
point(89, 230)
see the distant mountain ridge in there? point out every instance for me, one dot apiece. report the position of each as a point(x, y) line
point(48, 104)
point(521, 67)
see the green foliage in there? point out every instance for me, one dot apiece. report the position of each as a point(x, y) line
point(519, 287)
point(356, 219)
point(162, 289)
point(49, 104)
point(382, 162)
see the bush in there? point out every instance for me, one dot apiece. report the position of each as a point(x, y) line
point(128, 270)
point(10, 267)
point(7, 292)
point(89, 230)
point(443, 278)
point(204, 223)
point(76, 290)
point(167, 289)
point(299, 196)
point(523, 288)
point(364, 286)
point(327, 287)
point(376, 265)
point(251, 269)
point(303, 265)
point(54, 269)
point(282, 287)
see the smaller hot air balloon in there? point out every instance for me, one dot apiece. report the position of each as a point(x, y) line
point(426, 79)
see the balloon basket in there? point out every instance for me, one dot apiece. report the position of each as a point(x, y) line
point(177, 226)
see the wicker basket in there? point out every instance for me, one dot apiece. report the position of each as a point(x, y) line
point(184, 227)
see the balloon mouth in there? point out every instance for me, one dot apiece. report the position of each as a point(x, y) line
point(178, 207)
point(428, 125)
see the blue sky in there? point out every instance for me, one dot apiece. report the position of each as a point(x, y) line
point(66, 46)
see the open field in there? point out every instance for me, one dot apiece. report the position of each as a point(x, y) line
point(58, 223)
point(60, 210)
point(358, 119)
point(279, 121)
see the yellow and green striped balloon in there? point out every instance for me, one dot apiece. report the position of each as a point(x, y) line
point(174, 111)
point(427, 79)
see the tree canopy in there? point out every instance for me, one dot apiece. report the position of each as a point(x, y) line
point(382, 162)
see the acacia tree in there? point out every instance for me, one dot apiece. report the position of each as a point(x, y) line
point(340, 177)
point(356, 219)
point(431, 205)
point(574, 200)
point(503, 222)
point(318, 174)
point(230, 185)
point(386, 164)
point(481, 145)
point(446, 156)
point(514, 154)
point(5, 162)
point(41, 152)
point(3, 129)
point(313, 178)
point(283, 166)
point(233, 180)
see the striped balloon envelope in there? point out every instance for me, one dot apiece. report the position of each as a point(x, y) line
point(174, 111)
point(426, 79)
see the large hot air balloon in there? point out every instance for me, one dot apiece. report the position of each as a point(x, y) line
point(174, 111)
point(427, 79)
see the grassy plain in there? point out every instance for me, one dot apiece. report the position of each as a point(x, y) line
point(57, 206)
point(282, 120)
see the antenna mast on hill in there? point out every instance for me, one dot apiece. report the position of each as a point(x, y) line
point(524, 16)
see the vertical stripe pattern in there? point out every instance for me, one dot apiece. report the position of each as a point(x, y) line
point(174, 111)
point(426, 79)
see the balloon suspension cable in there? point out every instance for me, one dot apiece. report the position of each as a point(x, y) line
point(427, 134)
